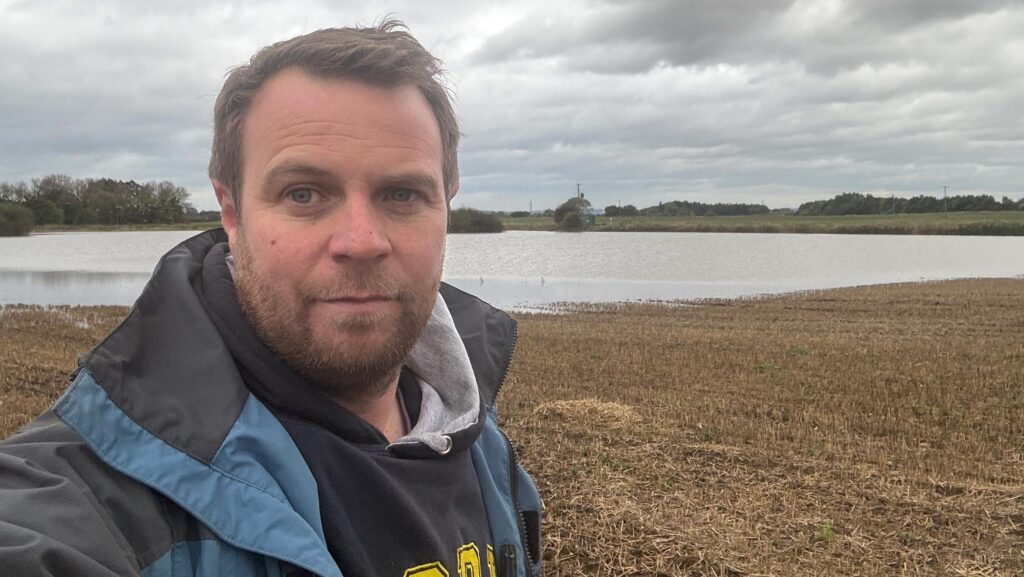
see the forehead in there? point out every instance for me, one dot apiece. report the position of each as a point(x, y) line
point(294, 113)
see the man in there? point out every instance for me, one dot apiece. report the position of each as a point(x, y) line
point(297, 394)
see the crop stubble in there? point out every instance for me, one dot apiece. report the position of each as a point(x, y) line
point(865, 431)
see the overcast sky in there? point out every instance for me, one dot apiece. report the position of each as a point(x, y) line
point(773, 101)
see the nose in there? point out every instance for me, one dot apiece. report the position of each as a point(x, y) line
point(360, 233)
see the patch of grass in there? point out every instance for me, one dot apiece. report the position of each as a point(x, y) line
point(825, 532)
point(708, 434)
point(535, 223)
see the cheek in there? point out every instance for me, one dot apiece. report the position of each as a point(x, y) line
point(433, 257)
point(421, 261)
point(428, 245)
point(280, 259)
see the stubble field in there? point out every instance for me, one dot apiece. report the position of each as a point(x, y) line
point(865, 431)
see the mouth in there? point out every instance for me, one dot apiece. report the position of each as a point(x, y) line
point(358, 299)
point(358, 304)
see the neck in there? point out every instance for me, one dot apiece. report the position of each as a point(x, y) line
point(383, 412)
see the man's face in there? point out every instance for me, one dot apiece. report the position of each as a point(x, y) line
point(339, 237)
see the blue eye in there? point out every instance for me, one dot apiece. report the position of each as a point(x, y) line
point(301, 196)
point(401, 195)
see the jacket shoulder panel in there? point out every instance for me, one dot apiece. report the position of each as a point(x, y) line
point(63, 511)
point(210, 558)
point(510, 498)
point(238, 500)
point(489, 335)
point(159, 363)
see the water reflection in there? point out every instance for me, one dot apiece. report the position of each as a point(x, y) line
point(525, 269)
point(70, 287)
point(523, 294)
point(102, 288)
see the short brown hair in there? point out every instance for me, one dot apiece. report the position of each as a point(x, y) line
point(385, 55)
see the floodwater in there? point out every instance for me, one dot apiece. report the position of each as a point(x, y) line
point(528, 269)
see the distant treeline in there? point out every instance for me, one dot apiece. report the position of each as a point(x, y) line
point(59, 199)
point(672, 208)
point(687, 208)
point(472, 220)
point(856, 203)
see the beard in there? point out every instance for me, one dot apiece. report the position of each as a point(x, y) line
point(348, 362)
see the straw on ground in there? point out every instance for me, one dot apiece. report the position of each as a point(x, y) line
point(865, 431)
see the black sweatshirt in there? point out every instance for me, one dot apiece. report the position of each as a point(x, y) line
point(384, 511)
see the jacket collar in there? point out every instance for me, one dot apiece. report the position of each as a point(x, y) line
point(160, 400)
point(167, 368)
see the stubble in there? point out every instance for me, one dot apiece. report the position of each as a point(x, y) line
point(333, 362)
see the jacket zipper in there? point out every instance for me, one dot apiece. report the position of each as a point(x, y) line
point(507, 561)
point(513, 462)
point(508, 359)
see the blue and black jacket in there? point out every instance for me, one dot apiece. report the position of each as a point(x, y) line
point(158, 461)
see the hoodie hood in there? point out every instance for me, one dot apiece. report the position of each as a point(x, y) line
point(451, 399)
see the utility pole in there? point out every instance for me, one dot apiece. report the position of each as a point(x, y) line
point(944, 198)
point(894, 205)
point(578, 193)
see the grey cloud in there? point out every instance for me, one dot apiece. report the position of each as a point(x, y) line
point(789, 96)
point(901, 14)
point(123, 89)
point(619, 37)
point(781, 101)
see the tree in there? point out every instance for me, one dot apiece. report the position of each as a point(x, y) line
point(44, 211)
point(63, 191)
point(855, 203)
point(60, 199)
point(629, 210)
point(170, 203)
point(15, 220)
point(611, 210)
point(573, 222)
point(16, 193)
point(203, 215)
point(688, 208)
point(100, 198)
point(472, 220)
point(574, 204)
point(88, 215)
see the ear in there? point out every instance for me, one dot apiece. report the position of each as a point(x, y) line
point(228, 212)
point(452, 193)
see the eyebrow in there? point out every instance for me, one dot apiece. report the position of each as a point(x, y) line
point(415, 179)
point(295, 168)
